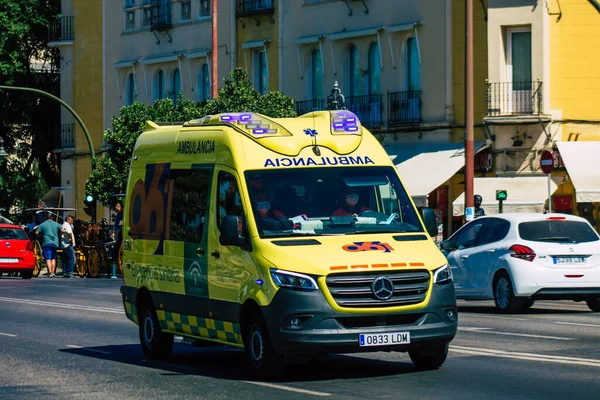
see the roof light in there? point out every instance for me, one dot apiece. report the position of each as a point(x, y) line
point(344, 121)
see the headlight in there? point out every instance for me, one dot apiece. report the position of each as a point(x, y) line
point(442, 274)
point(293, 280)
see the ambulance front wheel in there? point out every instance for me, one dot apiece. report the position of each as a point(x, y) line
point(264, 362)
point(430, 357)
point(156, 344)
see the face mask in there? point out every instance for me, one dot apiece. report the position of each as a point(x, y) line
point(352, 199)
point(264, 205)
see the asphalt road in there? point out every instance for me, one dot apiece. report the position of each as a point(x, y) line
point(69, 339)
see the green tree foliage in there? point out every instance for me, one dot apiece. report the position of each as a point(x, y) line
point(237, 95)
point(29, 124)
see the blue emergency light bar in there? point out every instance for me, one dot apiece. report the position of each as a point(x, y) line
point(344, 121)
point(249, 121)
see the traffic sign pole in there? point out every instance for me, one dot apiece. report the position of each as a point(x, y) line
point(500, 206)
point(549, 195)
point(547, 165)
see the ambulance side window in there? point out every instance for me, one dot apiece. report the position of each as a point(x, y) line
point(229, 201)
point(188, 204)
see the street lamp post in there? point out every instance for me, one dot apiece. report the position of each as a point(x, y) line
point(336, 100)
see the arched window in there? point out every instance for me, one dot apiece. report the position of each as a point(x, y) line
point(374, 69)
point(413, 73)
point(176, 82)
point(354, 77)
point(316, 75)
point(159, 85)
point(130, 89)
point(203, 85)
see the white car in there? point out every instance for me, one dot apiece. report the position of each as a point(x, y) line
point(516, 259)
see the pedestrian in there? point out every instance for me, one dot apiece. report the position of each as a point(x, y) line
point(68, 245)
point(49, 231)
point(479, 211)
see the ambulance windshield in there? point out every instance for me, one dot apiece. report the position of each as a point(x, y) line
point(330, 201)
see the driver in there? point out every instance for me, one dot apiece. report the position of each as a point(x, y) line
point(269, 219)
point(349, 206)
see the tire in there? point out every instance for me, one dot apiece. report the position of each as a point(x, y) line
point(94, 261)
point(80, 264)
point(120, 259)
point(593, 303)
point(504, 296)
point(264, 363)
point(428, 358)
point(27, 274)
point(156, 344)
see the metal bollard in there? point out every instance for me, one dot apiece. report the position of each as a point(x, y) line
point(113, 271)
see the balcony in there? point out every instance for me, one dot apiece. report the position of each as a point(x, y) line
point(61, 30)
point(67, 136)
point(368, 108)
point(160, 15)
point(306, 106)
point(514, 98)
point(404, 107)
point(251, 7)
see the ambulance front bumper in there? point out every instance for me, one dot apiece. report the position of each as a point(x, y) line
point(303, 323)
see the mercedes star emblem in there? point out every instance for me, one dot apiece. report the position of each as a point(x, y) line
point(382, 288)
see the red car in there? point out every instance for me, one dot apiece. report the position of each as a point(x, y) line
point(16, 251)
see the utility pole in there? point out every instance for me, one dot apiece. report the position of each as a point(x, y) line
point(215, 52)
point(469, 118)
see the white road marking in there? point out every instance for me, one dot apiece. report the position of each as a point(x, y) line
point(525, 356)
point(7, 334)
point(487, 330)
point(61, 305)
point(289, 389)
point(576, 324)
point(494, 316)
point(88, 349)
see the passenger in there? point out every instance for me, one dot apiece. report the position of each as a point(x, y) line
point(269, 219)
point(349, 204)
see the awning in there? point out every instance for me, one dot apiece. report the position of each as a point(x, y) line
point(197, 53)
point(253, 44)
point(125, 63)
point(354, 33)
point(309, 39)
point(435, 163)
point(53, 198)
point(403, 27)
point(580, 160)
point(525, 194)
point(160, 59)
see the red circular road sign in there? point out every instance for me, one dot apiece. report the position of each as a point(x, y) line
point(547, 162)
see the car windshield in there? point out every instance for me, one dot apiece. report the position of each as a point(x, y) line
point(330, 201)
point(12, 234)
point(557, 231)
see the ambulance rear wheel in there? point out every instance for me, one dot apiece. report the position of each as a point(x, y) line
point(264, 362)
point(156, 344)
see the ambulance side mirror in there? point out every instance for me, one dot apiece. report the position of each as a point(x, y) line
point(429, 219)
point(230, 234)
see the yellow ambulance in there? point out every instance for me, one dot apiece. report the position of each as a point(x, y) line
point(286, 237)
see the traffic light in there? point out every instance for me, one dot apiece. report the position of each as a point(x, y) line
point(501, 195)
point(90, 206)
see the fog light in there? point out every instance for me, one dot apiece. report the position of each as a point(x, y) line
point(451, 314)
point(297, 322)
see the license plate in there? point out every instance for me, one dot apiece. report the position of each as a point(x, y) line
point(9, 260)
point(569, 260)
point(383, 339)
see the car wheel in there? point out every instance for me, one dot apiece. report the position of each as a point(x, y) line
point(527, 304)
point(431, 357)
point(156, 344)
point(27, 274)
point(264, 362)
point(504, 297)
point(593, 303)
point(39, 261)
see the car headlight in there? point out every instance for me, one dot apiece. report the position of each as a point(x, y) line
point(293, 280)
point(442, 274)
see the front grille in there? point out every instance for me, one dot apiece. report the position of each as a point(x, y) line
point(379, 321)
point(353, 290)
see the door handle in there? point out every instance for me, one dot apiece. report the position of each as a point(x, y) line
point(215, 254)
point(200, 252)
point(490, 251)
point(464, 256)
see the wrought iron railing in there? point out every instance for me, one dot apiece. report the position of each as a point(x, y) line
point(161, 15)
point(514, 98)
point(368, 108)
point(67, 136)
point(306, 106)
point(247, 7)
point(404, 107)
point(61, 30)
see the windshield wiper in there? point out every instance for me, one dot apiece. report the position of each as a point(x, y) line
point(556, 239)
point(291, 233)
